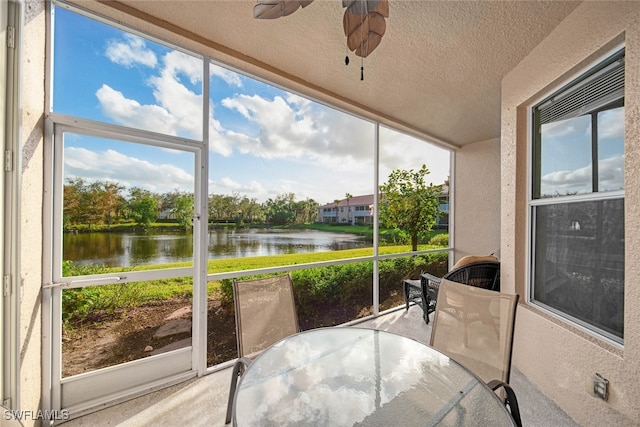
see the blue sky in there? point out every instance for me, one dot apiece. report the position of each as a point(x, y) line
point(566, 154)
point(263, 141)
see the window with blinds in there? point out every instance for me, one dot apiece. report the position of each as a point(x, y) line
point(590, 93)
point(578, 139)
point(577, 203)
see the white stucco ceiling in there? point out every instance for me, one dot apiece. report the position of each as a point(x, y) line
point(437, 70)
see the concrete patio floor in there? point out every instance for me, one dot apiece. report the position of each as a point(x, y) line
point(202, 401)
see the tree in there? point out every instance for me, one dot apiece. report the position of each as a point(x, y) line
point(306, 211)
point(281, 210)
point(336, 203)
point(143, 206)
point(251, 210)
point(182, 209)
point(74, 202)
point(110, 200)
point(348, 196)
point(408, 205)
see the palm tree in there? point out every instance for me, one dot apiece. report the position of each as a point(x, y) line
point(336, 202)
point(348, 197)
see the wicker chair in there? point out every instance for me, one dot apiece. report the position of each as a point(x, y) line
point(474, 327)
point(478, 271)
point(265, 313)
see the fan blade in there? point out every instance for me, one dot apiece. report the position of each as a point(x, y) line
point(272, 9)
point(364, 31)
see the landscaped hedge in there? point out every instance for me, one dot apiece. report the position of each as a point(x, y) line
point(349, 286)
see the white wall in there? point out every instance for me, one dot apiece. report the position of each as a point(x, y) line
point(33, 67)
point(557, 357)
point(477, 199)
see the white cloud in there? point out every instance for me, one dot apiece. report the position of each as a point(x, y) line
point(564, 128)
point(111, 165)
point(333, 148)
point(611, 123)
point(295, 127)
point(231, 78)
point(252, 189)
point(177, 63)
point(611, 173)
point(400, 151)
point(133, 50)
point(178, 110)
point(229, 184)
point(183, 105)
point(129, 112)
point(578, 181)
point(566, 182)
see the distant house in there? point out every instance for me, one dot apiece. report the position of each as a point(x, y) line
point(166, 214)
point(359, 210)
point(355, 210)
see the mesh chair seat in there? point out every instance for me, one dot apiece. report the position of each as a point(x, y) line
point(265, 313)
point(474, 327)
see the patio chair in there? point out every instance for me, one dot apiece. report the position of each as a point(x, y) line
point(265, 313)
point(478, 271)
point(474, 327)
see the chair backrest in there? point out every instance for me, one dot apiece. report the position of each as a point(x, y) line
point(480, 274)
point(265, 313)
point(474, 327)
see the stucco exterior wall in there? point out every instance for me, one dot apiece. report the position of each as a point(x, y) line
point(477, 199)
point(33, 89)
point(557, 357)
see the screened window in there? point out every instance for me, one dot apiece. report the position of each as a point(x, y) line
point(577, 208)
point(123, 78)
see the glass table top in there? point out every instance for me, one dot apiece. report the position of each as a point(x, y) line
point(346, 376)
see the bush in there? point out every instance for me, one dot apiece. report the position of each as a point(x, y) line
point(226, 291)
point(85, 303)
point(441, 239)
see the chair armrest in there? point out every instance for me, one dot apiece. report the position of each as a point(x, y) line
point(511, 400)
point(238, 369)
point(430, 280)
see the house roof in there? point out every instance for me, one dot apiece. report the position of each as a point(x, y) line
point(437, 71)
point(367, 199)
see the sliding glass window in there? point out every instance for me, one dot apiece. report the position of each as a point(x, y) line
point(577, 206)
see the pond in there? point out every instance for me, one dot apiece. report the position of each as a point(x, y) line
point(130, 249)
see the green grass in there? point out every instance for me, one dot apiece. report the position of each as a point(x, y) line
point(386, 234)
point(111, 297)
point(223, 265)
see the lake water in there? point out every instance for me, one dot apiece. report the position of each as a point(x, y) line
point(129, 249)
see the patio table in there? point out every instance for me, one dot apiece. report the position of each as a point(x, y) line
point(348, 376)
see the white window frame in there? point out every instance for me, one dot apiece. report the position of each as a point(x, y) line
point(12, 18)
point(532, 203)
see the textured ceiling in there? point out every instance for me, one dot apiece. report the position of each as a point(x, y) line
point(437, 70)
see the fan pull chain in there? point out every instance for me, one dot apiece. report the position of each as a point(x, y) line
point(363, 17)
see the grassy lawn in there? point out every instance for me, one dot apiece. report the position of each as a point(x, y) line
point(386, 234)
point(132, 294)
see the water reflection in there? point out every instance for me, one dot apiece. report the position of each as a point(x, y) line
point(350, 376)
point(130, 249)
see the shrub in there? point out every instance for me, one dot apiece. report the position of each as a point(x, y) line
point(85, 303)
point(226, 291)
point(441, 239)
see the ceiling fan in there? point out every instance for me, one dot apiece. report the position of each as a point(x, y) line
point(364, 21)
